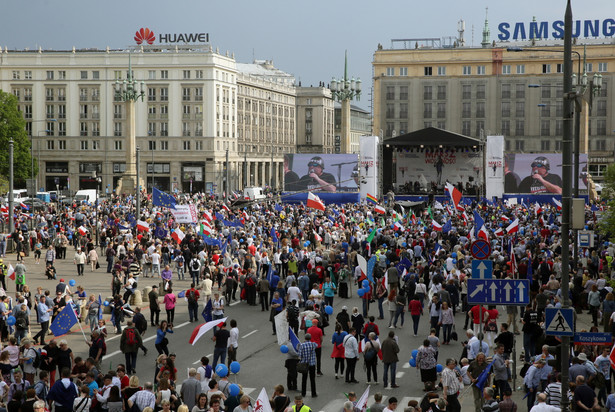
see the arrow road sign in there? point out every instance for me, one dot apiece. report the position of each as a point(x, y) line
point(482, 269)
point(559, 321)
point(498, 291)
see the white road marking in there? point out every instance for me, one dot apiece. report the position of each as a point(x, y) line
point(400, 375)
point(248, 334)
point(234, 303)
point(117, 352)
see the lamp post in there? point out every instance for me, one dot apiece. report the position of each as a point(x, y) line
point(138, 169)
point(344, 90)
point(128, 91)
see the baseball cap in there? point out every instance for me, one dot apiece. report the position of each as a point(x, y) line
point(541, 161)
point(61, 280)
point(316, 161)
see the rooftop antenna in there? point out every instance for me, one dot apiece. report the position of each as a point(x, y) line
point(486, 34)
point(461, 28)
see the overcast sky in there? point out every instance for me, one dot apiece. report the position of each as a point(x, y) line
point(305, 38)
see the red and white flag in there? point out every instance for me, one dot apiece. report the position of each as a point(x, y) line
point(142, 226)
point(483, 234)
point(505, 218)
point(225, 207)
point(82, 230)
point(537, 208)
point(436, 226)
point(207, 215)
point(499, 232)
point(11, 272)
point(558, 204)
point(380, 209)
point(455, 195)
point(362, 402)
point(317, 237)
point(203, 329)
point(513, 227)
point(413, 218)
point(314, 202)
point(398, 226)
point(262, 402)
point(178, 235)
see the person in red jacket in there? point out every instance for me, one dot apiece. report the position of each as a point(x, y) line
point(316, 334)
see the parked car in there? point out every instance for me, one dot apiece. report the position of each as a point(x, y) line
point(35, 204)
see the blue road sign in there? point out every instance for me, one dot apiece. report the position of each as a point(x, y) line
point(498, 291)
point(559, 321)
point(480, 249)
point(589, 338)
point(482, 269)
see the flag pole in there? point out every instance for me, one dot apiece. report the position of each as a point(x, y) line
point(81, 327)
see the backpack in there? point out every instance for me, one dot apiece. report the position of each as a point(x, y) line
point(21, 323)
point(371, 353)
point(194, 265)
point(524, 369)
point(36, 361)
point(131, 337)
point(191, 296)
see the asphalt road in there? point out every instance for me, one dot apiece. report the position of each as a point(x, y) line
point(262, 363)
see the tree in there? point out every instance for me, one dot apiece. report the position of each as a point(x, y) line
point(13, 125)
point(607, 222)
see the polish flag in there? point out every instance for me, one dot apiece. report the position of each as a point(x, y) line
point(380, 209)
point(513, 227)
point(82, 230)
point(499, 232)
point(4, 209)
point(505, 218)
point(317, 237)
point(314, 202)
point(483, 234)
point(225, 207)
point(178, 235)
point(142, 226)
point(398, 226)
point(537, 208)
point(24, 206)
point(455, 195)
point(11, 272)
point(203, 329)
point(436, 226)
point(207, 215)
point(413, 218)
point(262, 402)
point(558, 204)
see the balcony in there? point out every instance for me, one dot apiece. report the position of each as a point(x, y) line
point(83, 115)
point(83, 98)
point(96, 116)
point(198, 98)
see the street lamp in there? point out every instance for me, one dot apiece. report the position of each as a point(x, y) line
point(344, 90)
point(129, 91)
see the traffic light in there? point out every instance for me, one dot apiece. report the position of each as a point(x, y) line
point(556, 363)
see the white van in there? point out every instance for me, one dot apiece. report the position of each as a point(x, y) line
point(253, 193)
point(18, 194)
point(86, 195)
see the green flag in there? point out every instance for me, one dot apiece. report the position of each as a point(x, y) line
point(430, 212)
point(382, 222)
point(371, 235)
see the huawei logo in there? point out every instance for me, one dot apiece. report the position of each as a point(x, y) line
point(145, 35)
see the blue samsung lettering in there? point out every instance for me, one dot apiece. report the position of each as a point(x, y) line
point(591, 30)
point(539, 31)
point(558, 29)
point(608, 28)
point(519, 33)
point(504, 33)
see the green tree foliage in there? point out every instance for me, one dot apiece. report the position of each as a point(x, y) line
point(13, 125)
point(607, 222)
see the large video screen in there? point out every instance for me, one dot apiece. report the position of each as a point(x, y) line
point(538, 173)
point(321, 172)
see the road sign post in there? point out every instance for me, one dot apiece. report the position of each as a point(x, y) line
point(559, 321)
point(498, 292)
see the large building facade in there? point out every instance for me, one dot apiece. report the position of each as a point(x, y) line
point(200, 108)
point(491, 91)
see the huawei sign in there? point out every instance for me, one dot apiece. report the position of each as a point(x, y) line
point(145, 35)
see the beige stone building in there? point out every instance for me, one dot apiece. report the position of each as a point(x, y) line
point(315, 116)
point(490, 90)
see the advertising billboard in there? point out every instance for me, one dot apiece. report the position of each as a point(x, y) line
point(538, 173)
point(321, 172)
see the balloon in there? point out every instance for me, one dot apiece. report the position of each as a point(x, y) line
point(284, 349)
point(290, 250)
point(454, 254)
point(360, 292)
point(235, 366)
point(439, 368)
point(404, 244)
point(329, 310)
point(454, 261)
point(365, 283)
point(221, 370)
point(413, 362)
point(415, 353)
point(11, 320)
point(105, 303)
point(308, 323)
point(307, 243)
point(233, 389)
point(72, 282)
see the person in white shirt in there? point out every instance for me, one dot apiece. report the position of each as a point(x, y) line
point(233, 342)
point(542, 406)
point(155, 257)
point(294, 293)
point(351, 353)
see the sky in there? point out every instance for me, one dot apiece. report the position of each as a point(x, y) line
point(305, 38)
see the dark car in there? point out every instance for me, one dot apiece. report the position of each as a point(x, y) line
point(35, 204)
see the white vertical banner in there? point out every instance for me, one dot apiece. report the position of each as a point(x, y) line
point(494, 166)
point(369, 166)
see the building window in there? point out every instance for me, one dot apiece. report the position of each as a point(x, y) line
point(546, 68)
point(84, 145)
point(198, 94)
point(507, 145)
point(151, 94)
point(117, 129)
point(428, 70)
point(49, 74)
point(186, 129)
point(27, 112)
point(84, 75)
point(601, 108)
point(164, 145)
point(520, 109)
point(390, 71)
point(520, 91)
point(164, 129)
point(521, 69)
point(519, 127)
point(598, 170)
point(164, 94)
point(427, 95)
point(545, 145)
point(117, 74)
point(506, 69)
point(589, 67)
point(506, 127)
point(466, 127)
point(600, 145)
point(390, 111)
point(95, 144)
point(15, 74)
point(546, 91)
point(151, 74)
point(559, 68)
point(151, 145)
point(441, 92)
point(186, 74)
point(164, 74)
point(601, 127)
point(403, 93)
point(441, 110)
point(403, 110)
point(466, 91)
point(519, 145)
point(559, 105)
point(403, 128)
point(480, 91)
point(198, 74)
point(198, 145)
point(602, 67)
point(441, 70)
point(467, 70)
point(506, 91)
point(426, 125)
point(427, 114)
point(480, 128)
point(61, 129)
point(466, 110)
point(117, 145)
point(186, 144)
point(117, 111)
point(558, 145)
point(83, 127)
point(403, 71)
point(28, 74)
point(505, 109)
point(559, 130)
point(390, 93)
point(50, 144)
point(480, 70)
point(61, 75)
point(61, 144)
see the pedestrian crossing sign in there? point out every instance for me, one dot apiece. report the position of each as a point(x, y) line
point(559, 321)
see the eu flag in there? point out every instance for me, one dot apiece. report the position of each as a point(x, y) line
point(294, 340)
point(100, 314)
point(448, 226)
point(274, 235)
point(278, 208)
point(163, 199)
point(160, 232)
point(64, 321)
point(208, 312)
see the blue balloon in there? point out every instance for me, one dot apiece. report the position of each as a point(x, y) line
point(308, 323)
point(11, 320)
point(365, 283)
point(290, 250)
point(454, 261)
point(221, 370)
point(72, 282)
point(439, 368)
point(329, 310)
point(404, 244)
point(415, 353)
point(233, 389)
point(413, 362)
point(306, 243)
point(360, 292)
point(454, 254)
point(284, 349)
point(235, 367)
point(106, 303)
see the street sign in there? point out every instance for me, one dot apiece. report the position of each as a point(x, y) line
point(482, 269)
point(586, 238)
point(498, 292)
point(589, 338)
point(480, 249)
point(559, 321)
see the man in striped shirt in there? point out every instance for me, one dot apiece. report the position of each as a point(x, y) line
point(451, 384)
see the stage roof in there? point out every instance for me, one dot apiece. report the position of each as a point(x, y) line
point(432, 136)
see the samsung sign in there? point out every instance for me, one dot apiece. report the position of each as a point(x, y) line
point(555, 30)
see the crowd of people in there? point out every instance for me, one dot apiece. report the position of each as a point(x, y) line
point(295, 262)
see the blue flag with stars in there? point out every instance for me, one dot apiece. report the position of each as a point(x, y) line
point(163, 199)
point(64, 321)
